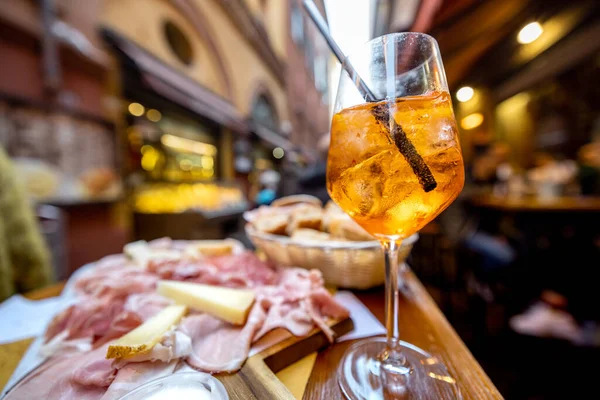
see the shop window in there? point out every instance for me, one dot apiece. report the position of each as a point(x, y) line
point(178, 43)
point(263, 112)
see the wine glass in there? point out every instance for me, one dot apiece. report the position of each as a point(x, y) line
point(394, 164)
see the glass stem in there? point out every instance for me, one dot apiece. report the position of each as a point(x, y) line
point(392, 282)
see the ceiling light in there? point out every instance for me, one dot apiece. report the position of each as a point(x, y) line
point(153, 115)
point(465, 94)
point(278, 153)
point(136, 109)
point(530, 32)
point(471, 121)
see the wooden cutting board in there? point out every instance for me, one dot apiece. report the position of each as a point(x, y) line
point(257, 380)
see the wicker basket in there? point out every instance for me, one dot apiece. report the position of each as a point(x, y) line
point(356, 265)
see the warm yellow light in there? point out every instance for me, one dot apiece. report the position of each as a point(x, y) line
point(188, 145)
point(471, 121)
point(136, 109)
point(153, 115)
point(185, 164)
point(278, 153)
point(207, 162)
point(150, 158)
point(146, 148)
point(465, 94)
point(443, 378)
point(530, 32)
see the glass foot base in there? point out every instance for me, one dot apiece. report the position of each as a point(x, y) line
point(363, 377)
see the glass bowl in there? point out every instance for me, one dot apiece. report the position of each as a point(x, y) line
point(181, 386)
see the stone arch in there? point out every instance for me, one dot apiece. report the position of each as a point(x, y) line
point(262, 91)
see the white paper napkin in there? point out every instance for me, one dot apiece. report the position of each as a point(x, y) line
point(365, 323)
point(23, 318)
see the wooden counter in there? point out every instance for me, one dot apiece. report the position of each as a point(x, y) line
point(535, 204)
point(422, 324)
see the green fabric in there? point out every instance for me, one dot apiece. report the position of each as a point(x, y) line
point(24, 258)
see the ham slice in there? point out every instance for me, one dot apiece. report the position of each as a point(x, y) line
point(114, 276)
point(146, 305)
point(124, 322)
point(112, 311)
point(90, 317)
point(182, 269)
point(134, 375)
point(218, 346)
point(244, 270)
point(287, 316)
point(90, 376)
point(76, 376)
point(298, 303)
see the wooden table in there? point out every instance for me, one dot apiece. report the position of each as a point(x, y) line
point(535, 204)
point(422, 324)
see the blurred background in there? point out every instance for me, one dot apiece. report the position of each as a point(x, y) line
point(137, 119)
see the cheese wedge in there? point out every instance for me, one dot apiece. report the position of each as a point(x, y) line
point(141, 253)
point(231, 305)
point(210, 248)
point(142, 339)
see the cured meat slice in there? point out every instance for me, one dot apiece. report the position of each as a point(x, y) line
point(218, 346)
point(298, 303)
point(244, 268)
point(134, 375)
point(290, 317)
point(61, 378)
point(146, 305)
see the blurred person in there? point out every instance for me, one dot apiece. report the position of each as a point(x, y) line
point(564, 309)
point(552, 177)
point(542, 159)
point(313, 179)
point(495, 247)
point(269, 180)
point(589, 169)
point(24, 258)
point(493, 165)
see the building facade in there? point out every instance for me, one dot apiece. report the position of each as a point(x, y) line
point(240, 78)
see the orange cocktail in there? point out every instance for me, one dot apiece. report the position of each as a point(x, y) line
point(372, 182)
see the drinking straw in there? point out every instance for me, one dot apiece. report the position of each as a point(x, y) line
point(381, 111)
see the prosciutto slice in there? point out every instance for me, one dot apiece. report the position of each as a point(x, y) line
point(90, 376)
point(75, 376)
point(298, 303)
point(244, 270)
point(290, 317)
point(146, 305)
point(115, 276)
point(106, 310)
point(134, 375)
point(218, 346)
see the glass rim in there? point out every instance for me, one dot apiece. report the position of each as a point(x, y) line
point(390, 35)
point(349, 57)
